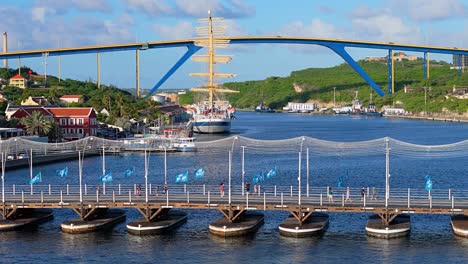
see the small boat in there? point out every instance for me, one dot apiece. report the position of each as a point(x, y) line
point(262, 108)
point(185, 144)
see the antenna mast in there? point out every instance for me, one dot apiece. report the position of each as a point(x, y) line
point(209, 40)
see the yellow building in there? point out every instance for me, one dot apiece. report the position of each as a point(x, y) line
point(18, 81)
point(36, 100)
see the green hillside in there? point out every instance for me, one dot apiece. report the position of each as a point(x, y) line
point(316, 84)
point(121, 105)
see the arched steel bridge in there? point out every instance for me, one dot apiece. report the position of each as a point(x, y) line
point(336, 45)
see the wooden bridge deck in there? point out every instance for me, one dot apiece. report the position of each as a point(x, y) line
point(181, 197)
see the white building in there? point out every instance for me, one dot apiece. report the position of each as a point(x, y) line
point(394, 111)
point(300, 107)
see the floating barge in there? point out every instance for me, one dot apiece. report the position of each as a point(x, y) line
point(459, 225)
point(400, 226)
point(244, 225)
point(315, 224)
point(26, 217)
point(103, 219)
point(164, 224)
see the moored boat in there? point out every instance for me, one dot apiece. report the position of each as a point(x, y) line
point(262, 108)
point(185, 144)
point(212, 116)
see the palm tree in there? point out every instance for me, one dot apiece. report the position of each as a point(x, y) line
point(37, 124)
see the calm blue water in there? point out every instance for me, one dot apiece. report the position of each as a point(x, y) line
point(431, 239)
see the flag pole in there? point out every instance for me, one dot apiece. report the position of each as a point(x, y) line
point(229, 173)
point(387, 172)
point(103, 168)
point(299, 179)
point(30, 170)
point(165, 165)
point(146, 178)
point(307, 154)
point(243, 171)
point(3, 178)
point(80, 175)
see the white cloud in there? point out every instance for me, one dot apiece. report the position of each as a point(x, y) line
point(427, 10)
point(227, 9)
point(126, 19)
point(181, 30)
point(39, 14)
point(316, 29)
point(386, 28)
point(62, 7)
point(152, 8)
point(190, 8)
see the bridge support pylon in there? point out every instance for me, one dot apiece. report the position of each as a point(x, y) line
point(92, 218)
point(14, 218)
point(236, 222)
point(156, 221)
point(304, 222)
point(388, 223)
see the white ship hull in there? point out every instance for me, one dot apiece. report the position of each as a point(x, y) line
point(212, 125)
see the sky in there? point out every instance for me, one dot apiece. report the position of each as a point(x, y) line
point(38, 24)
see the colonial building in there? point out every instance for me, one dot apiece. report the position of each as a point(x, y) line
point(74, 122)
point(18, 81)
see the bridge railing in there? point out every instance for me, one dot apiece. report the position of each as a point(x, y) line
point(271, 194)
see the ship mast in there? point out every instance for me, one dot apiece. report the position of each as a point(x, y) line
point(210, 41)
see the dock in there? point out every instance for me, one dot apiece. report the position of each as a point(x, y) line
point(241, 214)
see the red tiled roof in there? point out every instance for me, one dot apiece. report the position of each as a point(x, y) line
point(28, 111)
point(71, 96)
point(71, 111)
point(17, 76)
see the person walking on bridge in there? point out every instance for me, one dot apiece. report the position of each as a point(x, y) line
point(348, 198)
point(221, 189)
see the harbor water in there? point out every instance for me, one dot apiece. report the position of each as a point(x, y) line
point(431, 239)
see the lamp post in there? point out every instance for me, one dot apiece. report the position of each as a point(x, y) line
point(387, 172)
point(243, 168)
point(299, 180)
point(165, 165)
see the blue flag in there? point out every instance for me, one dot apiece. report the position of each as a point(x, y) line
point(340, 181)
point(130, 172)
point(106, 178)
point(428, 182)
point(257, 178)
point(62, 173)
point(200, 173)
point(272, 173)
point(36, 179)
point(182, 178)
